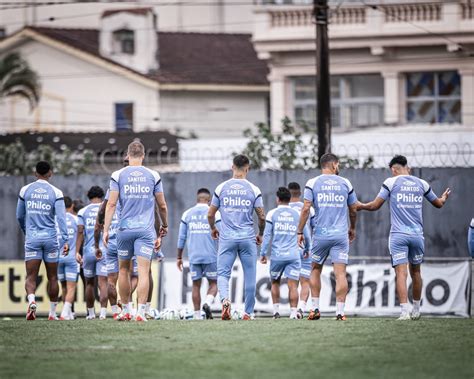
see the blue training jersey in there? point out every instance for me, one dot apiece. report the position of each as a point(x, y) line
point(87, 217)
point(39, 205)
point(137, 186)
point(236, 200)
point(195, 234)
point(71, 223)
point(406, 193)
point(330, 195)
point(281, 233)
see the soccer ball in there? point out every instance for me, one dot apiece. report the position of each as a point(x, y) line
point(186, 314)
point(169, 314)
point(155, 313)
point(237, 315)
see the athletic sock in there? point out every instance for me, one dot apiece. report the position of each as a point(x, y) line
point(130, 305)
point(276, 308)
point(31, 298)
point(141, 310)
point(416, 305)
point(126, 308)
point(91, 312)
point(197, 315)
point(115, 309)
point(66, 309)
point(103, 312)
point(302, 305)
point(209, 299)
point(404, 308)
point(315, 301)
point(52, 308)
point(340, 308)
point(293, 312)
point(147, 307)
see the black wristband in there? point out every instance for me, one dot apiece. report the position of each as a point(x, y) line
point(164, 226)
point(300, 234)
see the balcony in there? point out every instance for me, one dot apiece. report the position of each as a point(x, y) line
point(356, 24)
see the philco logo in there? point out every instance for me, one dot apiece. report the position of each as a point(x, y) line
point(236, 186)
point(40, 190)
point(409, 183)
point(330, 182)
point(136, 173)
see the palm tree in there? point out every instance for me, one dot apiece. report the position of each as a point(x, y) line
point(18, 79)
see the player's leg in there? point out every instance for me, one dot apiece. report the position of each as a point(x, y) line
point(124, 289)
point(248, 258)
point(398, 246)
point(142, 286)
point(103, 296)
point(339, 252)
point(197, 299)
point(32, 269)
point(210, 272)
point(305, 274)
point(415, 258)
point(89, 266)
point(225, 261)
point(70, 283)
point(112, 278)
point(319, 254)
point(276, 272)
point(51, 259)
point(292, 273)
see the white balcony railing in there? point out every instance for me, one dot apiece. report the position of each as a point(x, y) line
point(420, 12)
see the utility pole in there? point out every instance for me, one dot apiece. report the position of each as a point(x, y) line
point(323, 95)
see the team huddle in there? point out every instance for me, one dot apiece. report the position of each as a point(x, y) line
point(118, 234)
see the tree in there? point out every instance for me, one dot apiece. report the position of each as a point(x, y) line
point(18, 79)
point(15, 160)
point(295, 148)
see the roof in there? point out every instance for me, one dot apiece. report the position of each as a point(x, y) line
point(184, 58)
point(139, 11)
point(162, 143)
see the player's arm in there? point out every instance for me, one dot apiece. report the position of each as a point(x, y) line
point(261, 224)
point(211, 219)
point(183, 231)
point(97, 230)
point(439, 202)
point(60, 212)
point(163, 211)
point(303, 219)
point(101, 213)
point(307, 240)
point(79, 241)
point(267, 238)
point(352, 220)
point(374, 205)
point(21, 213)
point(110, 209)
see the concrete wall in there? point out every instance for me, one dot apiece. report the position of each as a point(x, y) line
point(445, 229)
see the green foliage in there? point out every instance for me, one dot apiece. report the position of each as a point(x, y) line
point(295, 148)
point(18, 79)
point(15, 160)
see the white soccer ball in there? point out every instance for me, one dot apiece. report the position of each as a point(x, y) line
point(155, 313)
point(169, 314)
point(186, 314)
point(237, 315)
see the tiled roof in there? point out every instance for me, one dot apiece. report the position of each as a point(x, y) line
point(185, 58)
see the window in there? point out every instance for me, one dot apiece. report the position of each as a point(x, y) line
point(356, 101)
point(433, 97)
point(124, 41)
point(3, 33)
point(123, 116)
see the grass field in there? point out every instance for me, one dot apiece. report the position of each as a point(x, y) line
point(358, 348)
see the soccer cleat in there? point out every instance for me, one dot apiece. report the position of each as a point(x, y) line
point(31, 313)
point(226, 315)
point(248, 317)
point(314, 314)
point(276, 315)
point(124, 317)
point(53, 318)
point(404, 317)
point(140, 318)
point(148, 316)
point(115, 315)
point(90, 317)
point(341, 318)
point(101, 317)
point(299, 314)
point(415, 315)
point(207, 310)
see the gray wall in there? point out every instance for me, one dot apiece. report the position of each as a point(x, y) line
point(445, 229)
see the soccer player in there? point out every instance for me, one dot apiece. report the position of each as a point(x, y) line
point(92, 267)
point(68, 266)
point(202, 251)
point(406, 242)
point(305, 273)
point(39, 205)
point(236, 199)
point(332, 197)
point(137, 188)
point(280, 233)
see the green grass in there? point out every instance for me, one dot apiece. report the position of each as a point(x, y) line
point(358, 348)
